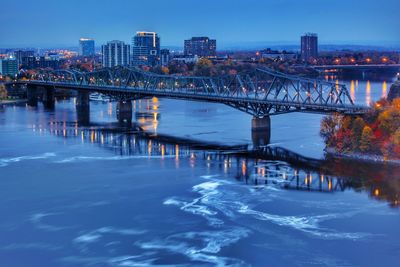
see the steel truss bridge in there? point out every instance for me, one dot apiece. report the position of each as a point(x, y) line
point(259, 93)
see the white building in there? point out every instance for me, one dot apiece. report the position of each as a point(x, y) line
point(186, 58)
point(115, 53)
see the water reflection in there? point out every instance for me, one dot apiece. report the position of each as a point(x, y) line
point(368, 93)
point(384, 89)
point(352, 91)
point(365, 91)
point(270, 166)
point(148, 119)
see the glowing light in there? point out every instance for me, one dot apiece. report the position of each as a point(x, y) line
point(376, 192)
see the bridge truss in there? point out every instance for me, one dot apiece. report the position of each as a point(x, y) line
point(259, 93)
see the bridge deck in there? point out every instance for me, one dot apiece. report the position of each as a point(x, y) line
point(261, 93)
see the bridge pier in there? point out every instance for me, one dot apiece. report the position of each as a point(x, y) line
point(124, 111)
point(82, 108)
point(261, 131)
point(48, 97)
point(32, 95)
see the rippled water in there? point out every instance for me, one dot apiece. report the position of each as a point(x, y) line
point(105, 195)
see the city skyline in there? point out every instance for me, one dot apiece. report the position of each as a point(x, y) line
point(250, 25)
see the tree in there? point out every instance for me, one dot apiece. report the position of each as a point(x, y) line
point(389, 120)
point(3, 92)
point(329, 128)
point(165, 70)
point(366, 139)
point(204, 67)
point(356, 131)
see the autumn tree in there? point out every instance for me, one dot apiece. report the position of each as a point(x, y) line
point(366, 139)
point(3, 92)
point(165, 70)
point(389, 120)
point(329, 127)
point(356, 132)
point(204, 67)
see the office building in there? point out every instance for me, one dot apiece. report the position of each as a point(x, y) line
point(145, 49)
point(19, 54)
point(165, 57)
point(201, 47)
point(86, 47)
point(32, 62)
point(8, 66)
point(115, 53)
point(309, 47)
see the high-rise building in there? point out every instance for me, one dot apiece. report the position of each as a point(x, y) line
point(115, 53)
point(8, 66)
point(145, 49)
point(309, 47)
point(86, 47)
point(19, 54)
point(200, 46)
point(165, 57)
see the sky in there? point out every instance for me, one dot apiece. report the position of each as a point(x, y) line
point(52, 23)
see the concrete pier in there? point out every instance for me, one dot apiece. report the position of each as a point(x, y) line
point(124, 111)
point(32, 95)
point(48, 97)
point(82, 108)
point(261, 131)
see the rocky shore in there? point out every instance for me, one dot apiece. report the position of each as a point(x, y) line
point(361, 157)
point(394, 91)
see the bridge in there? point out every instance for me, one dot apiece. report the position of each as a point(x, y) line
point(330, 68)
point(260, 93)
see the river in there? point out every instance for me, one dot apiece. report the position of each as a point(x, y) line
point(105, 195)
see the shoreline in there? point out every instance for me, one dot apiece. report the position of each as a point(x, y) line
point(12, 102)
point(361, 157)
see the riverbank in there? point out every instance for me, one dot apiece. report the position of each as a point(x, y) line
point(372, 158)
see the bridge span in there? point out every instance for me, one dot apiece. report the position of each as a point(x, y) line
point(261, 93)
point(364, 67)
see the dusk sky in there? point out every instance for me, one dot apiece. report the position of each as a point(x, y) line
point(62, 23)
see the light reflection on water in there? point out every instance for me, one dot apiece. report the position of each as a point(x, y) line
point(250, 170)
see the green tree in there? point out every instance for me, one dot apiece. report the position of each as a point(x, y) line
point(366, 139)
